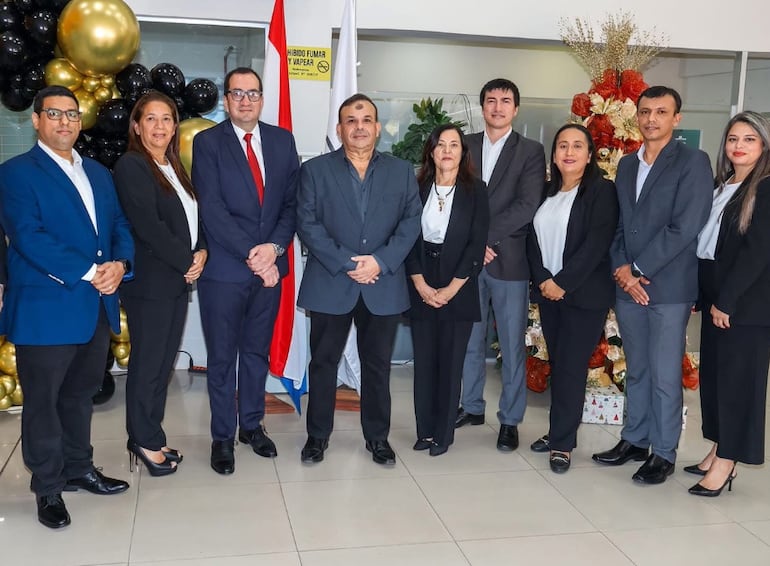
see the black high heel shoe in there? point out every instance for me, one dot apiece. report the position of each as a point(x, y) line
point(694, 469)
point(173, 455)
point(698, 489)
point(136, 452)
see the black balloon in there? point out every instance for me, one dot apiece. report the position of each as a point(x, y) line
point(55, 6)
point(34, 76)
point(13, 52)
point(41, 27)
point(4, 78)
point(108, 157)
point(25, 6)
point(14, 100)
point(168, 79)
point(113, 117)
point(134, 78)
point(132, 97)
point(10, 18)
point(200, 96)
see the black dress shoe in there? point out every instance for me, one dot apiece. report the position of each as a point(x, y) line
point(52, 512)
point(508, 439)
point(541, 444)
point(259, 441)
point(694, 469)
point(381, 451)
point(559, 461)
point(621, 453)
point(464, 418)
point(422, 444)
point(96, 482)
point(313, 451)
point(655, 470)
point(437, 449)
point(223, 456)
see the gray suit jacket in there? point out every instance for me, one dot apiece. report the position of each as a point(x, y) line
point(330, 224)
point(515, 189)
point(659, 231)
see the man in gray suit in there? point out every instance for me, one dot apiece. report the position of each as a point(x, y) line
point(664, 192)
point(358, 213)
point(513, 167)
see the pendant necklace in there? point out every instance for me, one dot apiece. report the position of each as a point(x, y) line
point(442, 199)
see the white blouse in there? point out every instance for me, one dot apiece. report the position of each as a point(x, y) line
point(189, 204)
point(707, 239)
point(435, 214)
point(550, 223)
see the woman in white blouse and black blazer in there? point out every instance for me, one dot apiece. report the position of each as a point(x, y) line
point(568, 252)
point(443, 267)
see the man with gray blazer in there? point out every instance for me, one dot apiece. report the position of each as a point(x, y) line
point(513, 167)
point(664, 191)
point(358, 213)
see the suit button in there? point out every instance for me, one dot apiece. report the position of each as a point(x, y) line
point(99, 253)
point(363, 241)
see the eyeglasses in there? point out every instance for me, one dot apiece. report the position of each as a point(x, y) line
point(238, 94)
point(56, 114)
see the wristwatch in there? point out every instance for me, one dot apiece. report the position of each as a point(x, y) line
point(635, 272)
point(279, 250)
point(126, 265)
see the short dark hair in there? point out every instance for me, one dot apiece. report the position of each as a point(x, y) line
point(427, 173)
point(241, 71)
point(500, 84)
point(53, 90)
point(660, 91)
point(358, 97)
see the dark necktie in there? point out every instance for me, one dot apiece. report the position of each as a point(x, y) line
point(254, 166)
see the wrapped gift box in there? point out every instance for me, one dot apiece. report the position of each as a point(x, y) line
point(604, 405)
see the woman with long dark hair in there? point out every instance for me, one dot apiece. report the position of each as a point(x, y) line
point(568, 252)
point(160, 203)
point(734, 281)
point(442, 267)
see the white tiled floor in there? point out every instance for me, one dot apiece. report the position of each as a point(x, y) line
point(474, 505)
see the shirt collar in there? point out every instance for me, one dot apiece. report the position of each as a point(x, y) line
point(240, 132)
point(501, 141)
point(77, 160)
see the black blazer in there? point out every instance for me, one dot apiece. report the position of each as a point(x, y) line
point(159, 226)
point(462, 254)
point(742, 270)
point(585, 276)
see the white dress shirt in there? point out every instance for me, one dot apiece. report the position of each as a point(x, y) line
point(490, 153)
point(550, 223)
point(256, 145)
point(707, 239)
point(189, 204)
point(435, 220)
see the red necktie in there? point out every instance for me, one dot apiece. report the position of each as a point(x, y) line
point(254, 166)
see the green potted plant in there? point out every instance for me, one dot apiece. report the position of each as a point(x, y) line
point(429, 114)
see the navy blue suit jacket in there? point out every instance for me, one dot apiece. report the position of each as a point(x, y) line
point(52, 245)
point(233, 220)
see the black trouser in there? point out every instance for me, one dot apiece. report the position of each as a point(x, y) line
point(328, 335)
point(59, 383)
point(156, 328)
point(571, 335)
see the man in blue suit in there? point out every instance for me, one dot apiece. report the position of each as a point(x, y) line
point(664, 192)
point(358, 213)
point(245, 172)
point(70, 247)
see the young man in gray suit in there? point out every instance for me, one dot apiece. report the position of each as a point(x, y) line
point(513, 167)
point(664, 191)
point(358, 213)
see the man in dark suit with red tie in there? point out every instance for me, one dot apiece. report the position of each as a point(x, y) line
point(245, 172)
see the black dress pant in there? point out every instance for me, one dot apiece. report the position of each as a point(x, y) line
point(59, 383)
point(571, 335)
point(328, 335)
point(156, 327)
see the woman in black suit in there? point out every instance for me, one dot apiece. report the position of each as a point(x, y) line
point(734, 280)
point(442, 267)
point(160, 203)
point(568, 252)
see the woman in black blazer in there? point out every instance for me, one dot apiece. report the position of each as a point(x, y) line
point(159, 201)
point(568, 251)
point(443, 266)
point(734, 281)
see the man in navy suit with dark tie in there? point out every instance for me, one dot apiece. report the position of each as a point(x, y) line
point(245, 172)
point(70, 246)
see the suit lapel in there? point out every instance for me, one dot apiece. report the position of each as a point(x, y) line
point(347, 194)
point(234, 147)
point(628, 186)
point(504, 161)
point(458, 218)
point(661, 164)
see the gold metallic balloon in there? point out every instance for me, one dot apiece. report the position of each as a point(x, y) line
point(102, 94)
point(5, 403)
point(98, 36)
point(2, 391)
point(2, 338)
point(61, 72)
point(115, 92)
point(8, 359)
point(17, 397)
point(9, 383)
point(121, 349)
point(122, 362)
point(90, 84)
point(108, 81)
point(123, 336)
point(188, 129)
point(88, 107)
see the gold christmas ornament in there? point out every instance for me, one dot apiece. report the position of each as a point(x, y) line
point(5, 403)
point(7, 359)
point(98, 36)
point(88, 108)
point(61, 72)
point(188, 129)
